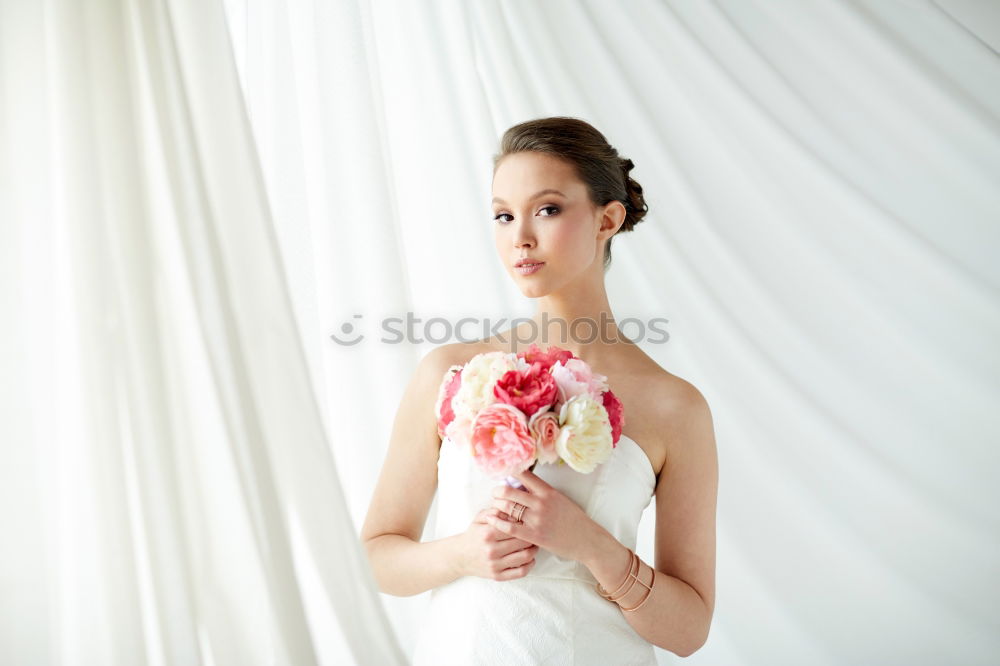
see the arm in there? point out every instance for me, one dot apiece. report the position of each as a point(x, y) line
point(405, 566)
point(678, 613)
point(402, 564)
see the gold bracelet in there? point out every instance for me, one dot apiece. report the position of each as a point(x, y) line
point(649, 590)
point(635, 566)
point(608, 595)
point(630, 578)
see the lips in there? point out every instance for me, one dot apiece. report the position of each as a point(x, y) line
point(529, 266)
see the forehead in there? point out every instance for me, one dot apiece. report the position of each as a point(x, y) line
point(522, 174)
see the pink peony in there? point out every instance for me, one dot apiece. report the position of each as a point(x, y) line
point(616, 415)
point(546, 358)
point(530, 390)
point(446, 391)
point(501, 441)
point(574, 378)
point(459, 431)
point(544, 427)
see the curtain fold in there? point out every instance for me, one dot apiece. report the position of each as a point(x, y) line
point(180, 474)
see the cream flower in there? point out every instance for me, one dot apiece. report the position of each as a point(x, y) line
point(585, 437)
point(478, 377)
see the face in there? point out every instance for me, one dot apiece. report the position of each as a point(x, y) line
point(542, 213)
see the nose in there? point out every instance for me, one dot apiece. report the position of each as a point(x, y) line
point(523, 236)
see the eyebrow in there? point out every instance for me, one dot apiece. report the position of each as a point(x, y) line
point(534, 196)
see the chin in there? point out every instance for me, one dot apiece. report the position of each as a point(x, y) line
point(533, 290)
point(532, 286)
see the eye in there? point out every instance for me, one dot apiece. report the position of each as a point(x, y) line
point(499, 215)
point(555, 208)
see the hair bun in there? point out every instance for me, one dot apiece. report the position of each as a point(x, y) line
point(635, 205)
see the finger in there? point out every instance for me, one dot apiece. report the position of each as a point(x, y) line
point(508, 527)
point(515, 572)
point(505, 526)
point(517, 558)
point(532, 482)
point(511, 495)
point(499, 535)
point(510, 509)
point(492, 512)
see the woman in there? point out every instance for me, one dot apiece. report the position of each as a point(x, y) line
point(547, 573)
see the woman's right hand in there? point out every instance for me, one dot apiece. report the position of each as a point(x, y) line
point(489, 553)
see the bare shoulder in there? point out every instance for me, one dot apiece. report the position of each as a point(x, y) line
point(683, 401)
point(678, 412)
point(688, 431)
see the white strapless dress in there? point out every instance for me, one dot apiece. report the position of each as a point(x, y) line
point(553, 615)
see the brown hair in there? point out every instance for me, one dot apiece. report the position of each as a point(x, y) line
point(597, 163)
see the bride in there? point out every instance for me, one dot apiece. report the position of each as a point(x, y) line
point(528, 576)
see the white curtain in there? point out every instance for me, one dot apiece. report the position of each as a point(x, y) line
point(168, 493)
point(196, 197)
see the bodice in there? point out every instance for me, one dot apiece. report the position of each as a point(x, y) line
point(614, 495)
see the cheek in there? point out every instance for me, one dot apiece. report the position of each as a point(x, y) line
point(499, 238)
point(570, 240)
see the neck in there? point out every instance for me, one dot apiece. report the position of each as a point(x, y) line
point(580, 321)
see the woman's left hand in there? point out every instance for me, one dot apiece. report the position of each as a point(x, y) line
point(551, 520)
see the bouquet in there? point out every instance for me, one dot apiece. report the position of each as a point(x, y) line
point(511, 411)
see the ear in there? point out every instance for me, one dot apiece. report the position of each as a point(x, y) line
point(612, 218)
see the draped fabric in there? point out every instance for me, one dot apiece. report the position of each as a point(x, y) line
point(199, 199)
point(168, 491)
